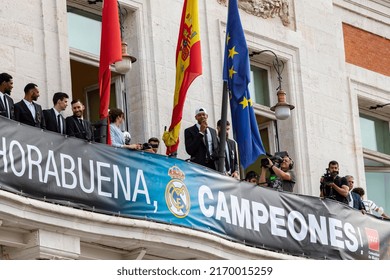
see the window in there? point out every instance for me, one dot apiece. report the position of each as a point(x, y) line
point(84, 31)
point(378, 189)
point(260, 95)
point(258, 86)
point(375, 135)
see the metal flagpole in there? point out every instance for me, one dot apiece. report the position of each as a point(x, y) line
point(222, 134)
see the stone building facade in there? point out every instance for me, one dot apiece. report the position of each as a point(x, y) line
point(336, 72)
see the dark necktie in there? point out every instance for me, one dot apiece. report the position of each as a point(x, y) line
point(59, 123)
point(81, 124)
point(206, 141)
point(6, 106)
point(227, 159)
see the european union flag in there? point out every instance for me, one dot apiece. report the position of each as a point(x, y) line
point(236, 71)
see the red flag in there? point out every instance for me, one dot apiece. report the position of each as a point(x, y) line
point(110, 52)
point(188, 67)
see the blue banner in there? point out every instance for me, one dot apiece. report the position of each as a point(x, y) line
point(96, 177)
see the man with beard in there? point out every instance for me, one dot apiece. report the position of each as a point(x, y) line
point(6, 102)
point(27, 111)
point(75, 125)
point(201, 141)
point(280, 177)
point(332, 186)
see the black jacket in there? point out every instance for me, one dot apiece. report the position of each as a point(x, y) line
point(196, 147)
point(3, 111)
point(232, 164)
point(51, 121)
point(23, 115)
point(74, 128)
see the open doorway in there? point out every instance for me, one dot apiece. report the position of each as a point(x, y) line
point(86, 88)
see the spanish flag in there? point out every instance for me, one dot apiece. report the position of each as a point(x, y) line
point(110, 52)
point(188, 67)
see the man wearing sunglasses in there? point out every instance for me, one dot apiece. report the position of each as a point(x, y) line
point(154, 143)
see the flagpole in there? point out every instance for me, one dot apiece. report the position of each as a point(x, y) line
point(237, 73)
point(222, 134)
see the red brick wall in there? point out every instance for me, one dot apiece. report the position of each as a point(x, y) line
point(366, 49)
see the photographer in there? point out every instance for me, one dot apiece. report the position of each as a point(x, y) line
point(281, 177)
point(332, 186)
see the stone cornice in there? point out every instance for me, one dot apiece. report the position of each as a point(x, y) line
point(265, 8)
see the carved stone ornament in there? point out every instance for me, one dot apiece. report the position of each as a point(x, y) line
point(265, 8)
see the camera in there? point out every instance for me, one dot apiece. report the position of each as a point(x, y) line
point(276, 159)
point(127, 137)
point(146, 146)
point(327, 179)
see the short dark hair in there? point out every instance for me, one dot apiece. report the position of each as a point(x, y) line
point(250, 175)
point(75, 101)
point(359, 191)
point(29, 87)
point(114, 113)
point(333, 162)
point(5, 77)
point(59, 96)
point(154, 139)
point(219, 123)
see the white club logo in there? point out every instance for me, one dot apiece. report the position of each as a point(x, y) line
point(177, 196)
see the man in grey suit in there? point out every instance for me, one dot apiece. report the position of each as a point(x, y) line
point(6, 102)
point(53, 118)
point(27, 111)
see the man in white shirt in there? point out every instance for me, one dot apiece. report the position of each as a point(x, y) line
point(27, 111)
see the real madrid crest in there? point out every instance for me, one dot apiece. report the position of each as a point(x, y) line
point(177, 196)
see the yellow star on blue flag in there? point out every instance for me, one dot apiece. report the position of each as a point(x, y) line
point(246, 102)
point(236, 71)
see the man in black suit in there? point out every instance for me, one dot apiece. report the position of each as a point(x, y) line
point(201, 141)
point(27, 111)
point(6, 102)
point(53, 117)
point(75, 125)
point(231, 152)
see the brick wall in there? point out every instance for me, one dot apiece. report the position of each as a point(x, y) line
point(366, 50)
